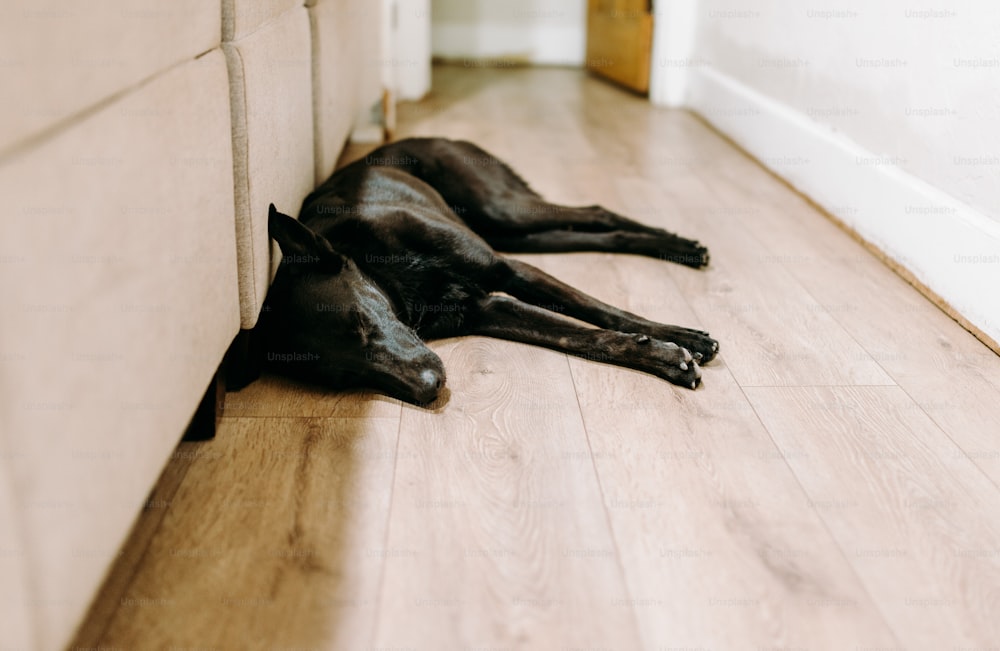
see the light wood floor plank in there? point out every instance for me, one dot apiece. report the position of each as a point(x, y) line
point(300, 400)
point(920, 522)
point(772, 331)
point(131, 558)
point(721, 546)
point(272, 541)
point(498, 537)
point(946, 370)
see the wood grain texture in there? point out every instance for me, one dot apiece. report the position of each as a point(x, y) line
point(299, 400)
point(952, 376)
point(724, 548)
point(833, 485)
point(132, 555)
point(495, 540)
point(920, 522)
point(271, 542)
point(774, 332)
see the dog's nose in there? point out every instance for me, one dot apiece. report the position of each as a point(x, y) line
point(431, 379)
point(431, 382)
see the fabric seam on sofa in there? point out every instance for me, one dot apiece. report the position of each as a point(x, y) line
point(241, 174)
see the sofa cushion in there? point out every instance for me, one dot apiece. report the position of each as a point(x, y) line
point(271, 94)
point(15, 600)
point(242, 17)
point(120, 299)
point(347, 72)
point(61, 56)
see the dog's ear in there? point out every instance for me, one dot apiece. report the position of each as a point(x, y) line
point(300, 244)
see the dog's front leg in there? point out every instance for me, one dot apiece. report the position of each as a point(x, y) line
point(534, 286)
point(507, 318)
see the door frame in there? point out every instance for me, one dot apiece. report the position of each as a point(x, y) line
point(674, 32)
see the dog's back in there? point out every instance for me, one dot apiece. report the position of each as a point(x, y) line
point(399, 247)
point(400, 232)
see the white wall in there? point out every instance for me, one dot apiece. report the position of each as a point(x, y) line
point(547, 32)
point(886, 113)
point(407, 60)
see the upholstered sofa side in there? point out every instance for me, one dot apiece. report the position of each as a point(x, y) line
point(120, 299)
point(62, 57)
point(243, 17)
point(271, 97)
point(15, 598)
point(346, 72)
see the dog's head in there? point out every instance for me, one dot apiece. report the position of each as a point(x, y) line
point(328, 322)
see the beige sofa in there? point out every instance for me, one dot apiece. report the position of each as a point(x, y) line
point(140, 145)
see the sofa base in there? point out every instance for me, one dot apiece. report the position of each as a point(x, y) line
point(205, 421)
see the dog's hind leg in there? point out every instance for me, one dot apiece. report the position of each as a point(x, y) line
point(525, 223)
point(536, 287)
point(501, 207)
point(665, 246)
point(506, 318)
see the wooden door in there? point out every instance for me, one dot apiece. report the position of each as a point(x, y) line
point(620, 41)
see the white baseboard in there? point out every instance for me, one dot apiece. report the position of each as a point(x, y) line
point(943, 244)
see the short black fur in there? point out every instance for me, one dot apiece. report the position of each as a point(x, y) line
point(399, 247)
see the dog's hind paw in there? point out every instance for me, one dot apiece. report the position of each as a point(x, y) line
point(706, 257)
point(688, 253)
point(696, 256)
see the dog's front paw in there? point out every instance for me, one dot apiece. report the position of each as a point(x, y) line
point(700, 343)
point(702, 346)
point(673, 363)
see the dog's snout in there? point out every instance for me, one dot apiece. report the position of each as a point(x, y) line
point(425, 386)
point(431, 382)
point(431, 379)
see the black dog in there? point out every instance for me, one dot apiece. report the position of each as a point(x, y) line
point(399, 247)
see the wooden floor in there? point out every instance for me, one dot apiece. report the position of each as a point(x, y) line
point(832, 485)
